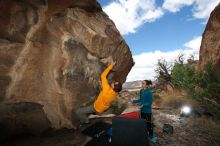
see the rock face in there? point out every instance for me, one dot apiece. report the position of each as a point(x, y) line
point(210, 46)
point(51, 56)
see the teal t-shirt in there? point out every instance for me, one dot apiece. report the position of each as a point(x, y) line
point(145, 100)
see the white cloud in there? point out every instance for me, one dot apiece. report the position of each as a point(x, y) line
point(128, 15)
point(176, 5)
point(145, 63)
point(201, 8)
point(194, 44)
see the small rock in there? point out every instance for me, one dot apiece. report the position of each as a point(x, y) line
point(167, 128)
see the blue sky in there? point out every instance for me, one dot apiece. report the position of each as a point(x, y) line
point(167, 33)
point(156, 29)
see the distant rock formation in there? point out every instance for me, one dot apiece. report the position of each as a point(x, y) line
point(210, 46)
point(51, 56)
point(132, 84)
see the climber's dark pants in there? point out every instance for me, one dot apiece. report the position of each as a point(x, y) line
point(147, 116)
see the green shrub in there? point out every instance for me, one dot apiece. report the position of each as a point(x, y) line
point(202, 85)
point(209, 80)
point(156, 96)
point(183, 76)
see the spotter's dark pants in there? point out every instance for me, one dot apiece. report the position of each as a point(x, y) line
point(147, 116)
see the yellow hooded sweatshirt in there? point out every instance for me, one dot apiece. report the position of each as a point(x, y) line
point(107, 95)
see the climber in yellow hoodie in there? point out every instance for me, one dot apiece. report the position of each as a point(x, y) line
point(108, 93)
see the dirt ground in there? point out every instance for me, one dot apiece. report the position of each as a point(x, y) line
point(188, 131)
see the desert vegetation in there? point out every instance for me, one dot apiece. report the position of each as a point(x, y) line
point(200, 85)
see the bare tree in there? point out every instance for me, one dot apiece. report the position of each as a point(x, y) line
point(180, 59)
point(163, 72)
point(191, 59)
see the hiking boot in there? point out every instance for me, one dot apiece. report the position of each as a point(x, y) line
point(154, 139)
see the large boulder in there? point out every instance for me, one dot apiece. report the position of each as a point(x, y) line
point(51, 56)
point(210, 46)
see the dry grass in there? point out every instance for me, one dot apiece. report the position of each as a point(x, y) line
point(210, 127)
point(206, 129)
point(175, 99)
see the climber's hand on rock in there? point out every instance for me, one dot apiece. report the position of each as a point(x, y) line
point(113, 63)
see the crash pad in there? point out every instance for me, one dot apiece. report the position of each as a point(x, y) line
point(130, 115)
point(97, 129)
